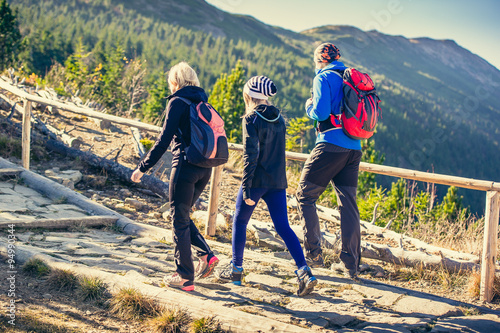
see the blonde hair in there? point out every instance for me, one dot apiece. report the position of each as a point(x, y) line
point(252, 103)
point(321, 65)
point(183, 75)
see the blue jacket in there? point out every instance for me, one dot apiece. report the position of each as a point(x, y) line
point(327, 99)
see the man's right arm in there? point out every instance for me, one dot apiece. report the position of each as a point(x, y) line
point(320, 108)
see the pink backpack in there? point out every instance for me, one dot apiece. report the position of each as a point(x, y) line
point(208, 146)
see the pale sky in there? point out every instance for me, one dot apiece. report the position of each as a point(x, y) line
point(474, 25)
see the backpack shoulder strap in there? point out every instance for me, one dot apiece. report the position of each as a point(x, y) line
point(189, 103)
point(185, 100)
point(338, 73)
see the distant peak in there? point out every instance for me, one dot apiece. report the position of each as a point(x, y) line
point(428, 39)
point(330, 27)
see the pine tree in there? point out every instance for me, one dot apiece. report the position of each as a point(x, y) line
point(111, 92)
point(77, 70)
point(451, 206)
point(296, 131)
point(366, 180)
point(10, 36)
point(227, 98)
point(156, 102)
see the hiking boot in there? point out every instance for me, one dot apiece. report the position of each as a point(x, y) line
point(176, 281)
point(206, 265)
point(315, 261)
point(348, 273)
point(231, 273)
point(306, 281)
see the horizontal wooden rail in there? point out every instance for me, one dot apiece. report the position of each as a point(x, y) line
point(79, 110)
point(474, 184)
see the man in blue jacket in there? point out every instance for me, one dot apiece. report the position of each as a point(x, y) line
point(335, 158)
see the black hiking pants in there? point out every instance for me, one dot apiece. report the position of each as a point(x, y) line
point(326, 163)
point(187, 181)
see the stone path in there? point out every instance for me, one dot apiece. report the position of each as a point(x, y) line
point(21, 202)
point(337, 304)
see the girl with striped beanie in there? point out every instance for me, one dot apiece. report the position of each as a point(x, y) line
point(264, 176)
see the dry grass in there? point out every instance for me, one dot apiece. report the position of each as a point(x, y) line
point(496, 287)
point(10, 146)
point(345, 287)
point(474, 283)
point(473, 286)
point(96, 181)
point(464, 235)
point(293, 172)
point(171, 321)
point(62, 280)
point(223, 233)
point(130, 303)
point(39, 320)
point(207, 325)
point(440, 277)
point(235, 162)
point(91, 288)
point(404, 273)
point(330, 257)
point(251, 239)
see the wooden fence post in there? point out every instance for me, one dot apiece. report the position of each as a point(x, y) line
point(213, 202)
point(26, 134)
point(489, 245)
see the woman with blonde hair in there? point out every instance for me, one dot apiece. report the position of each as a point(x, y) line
point(187, 181)
point(264, 176)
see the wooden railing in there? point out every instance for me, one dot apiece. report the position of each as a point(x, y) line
point(491, 188)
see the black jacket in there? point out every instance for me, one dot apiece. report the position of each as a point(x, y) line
point(177, 117)
point(264, 149)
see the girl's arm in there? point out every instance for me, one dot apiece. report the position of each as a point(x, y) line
point(170, 127)
point(250, 154)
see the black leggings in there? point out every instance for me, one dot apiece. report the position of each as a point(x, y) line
point(187, 182)
point(340, 166)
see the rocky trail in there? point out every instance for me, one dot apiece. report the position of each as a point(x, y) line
point(137, 251)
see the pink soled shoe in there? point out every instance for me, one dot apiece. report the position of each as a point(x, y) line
point(176, 281)
point(206, 265)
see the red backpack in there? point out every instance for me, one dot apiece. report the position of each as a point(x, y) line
point(360, 105)
point(208, 146)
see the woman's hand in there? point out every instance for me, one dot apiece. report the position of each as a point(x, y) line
point(136, 176)
point(249, 202)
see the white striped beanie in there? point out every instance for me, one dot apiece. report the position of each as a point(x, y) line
point(260, 87)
